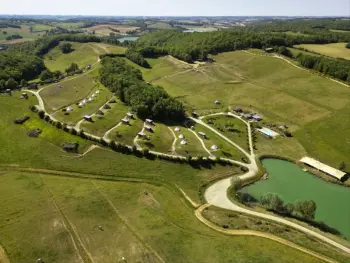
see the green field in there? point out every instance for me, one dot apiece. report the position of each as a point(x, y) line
point(65, 93)
point(40, 27)
point(23, 31)
point(160, 25)
point(82, 55)
point(110, 118)
point(336, 50)
point(159, 140)
point(127, 133)
point(88, 109)
point(295, 52)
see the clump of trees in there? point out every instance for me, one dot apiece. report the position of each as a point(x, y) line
point(337, 68)
point(146, 100)
point(72, 68)
point(301, 209)
point(137, 58)
point(66, 48)
point(15, 36)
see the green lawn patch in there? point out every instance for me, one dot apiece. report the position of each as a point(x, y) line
point(336, 50)
point(160, 139)
point(126, 133)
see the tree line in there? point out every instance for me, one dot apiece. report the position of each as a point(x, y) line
point(137, 58)
point(196, 46)
point(146, 100)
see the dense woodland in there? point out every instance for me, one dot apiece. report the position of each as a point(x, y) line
point(146, 100)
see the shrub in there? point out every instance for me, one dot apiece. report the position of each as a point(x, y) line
point(41, 114)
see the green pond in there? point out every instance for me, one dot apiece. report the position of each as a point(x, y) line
point(291, 183)
point(130, 38)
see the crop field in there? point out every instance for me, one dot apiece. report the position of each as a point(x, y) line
point(295, 52)
point(160, 25)
point(82, 55)
point(89, 108)
point(69, 25)
point(160, 139)
point(105, 122)
point(65, 93)
point(105, 30)
point(106, 48)
point(336, 50)
point(40, 27)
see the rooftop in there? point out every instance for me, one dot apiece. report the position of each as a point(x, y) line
point(323, 167)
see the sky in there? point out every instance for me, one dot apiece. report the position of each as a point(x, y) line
point(178, 7)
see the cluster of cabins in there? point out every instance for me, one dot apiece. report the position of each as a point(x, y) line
point(249, 116)
point(147, 127)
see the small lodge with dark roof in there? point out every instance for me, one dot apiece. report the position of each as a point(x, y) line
point(268, 50)
point(256, 117)
point(130, 115)
point(148, 128)
point(32, 86)
point(149, 121)
point(125, 121)
point(107, 107)
point(88, 118)
point(21, 120)
point(70, 147)
point(238, 110)
point(99, 112)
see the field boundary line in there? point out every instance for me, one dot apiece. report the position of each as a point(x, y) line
point(84, 255)
point(127, 224)
point(200, 217)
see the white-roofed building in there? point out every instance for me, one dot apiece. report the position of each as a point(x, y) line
point(268, 132)
point(183, 142)
point(97, 92)
point(177, 129)
point(181, 136)
point(323, 167)
point(214, 147)
point(69, 109)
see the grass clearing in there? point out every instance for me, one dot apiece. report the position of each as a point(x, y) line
point(160, 139)
point(106, 29)
point(336, 50)
point(193, 146)
point(234, 129)
point(59, 95)
point(106, 48)
point(90, 108)
point(110, 118)
point(24, 32)
point(225, 149)
point(82, 55)
point(160, 25)
point(127, 133)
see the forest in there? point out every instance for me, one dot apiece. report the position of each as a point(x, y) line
point(146, 100)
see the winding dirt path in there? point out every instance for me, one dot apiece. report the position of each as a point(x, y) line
point(3, 256)
point(173, 146)
point(202, 143)
point(282, 241)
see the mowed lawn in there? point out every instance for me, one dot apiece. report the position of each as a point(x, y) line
point(88, 109)
point(336, 50)
point(82, 55)
point(134, 225)
point(106, 48)
point(233, 128)
point(127, 133)
point(65, 93)
point(193, 146)
point(160, 139)
point(103, 123)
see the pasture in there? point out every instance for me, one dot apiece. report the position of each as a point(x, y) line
point(82, 55)
point(270, 87)
point(336, 50)
point(65, 93)
point(67, 210)
point(24, 31)
point(126, 133)
point(106, 29)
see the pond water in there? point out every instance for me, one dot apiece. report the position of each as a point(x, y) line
point(122, 39)
point(291, 183)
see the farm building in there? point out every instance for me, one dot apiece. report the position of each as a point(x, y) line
point(268, 132)
point(323, 168)
point(256, 117)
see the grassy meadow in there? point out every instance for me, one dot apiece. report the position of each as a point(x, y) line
point(24, 31)
point(82, 55)
point(126, 133)
point(160, 139)
point(65, 93)
point(336, 50)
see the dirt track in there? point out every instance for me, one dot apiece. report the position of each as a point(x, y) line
point(3, 256)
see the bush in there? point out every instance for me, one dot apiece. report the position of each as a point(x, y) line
point(59, 125)
point(47, 118)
